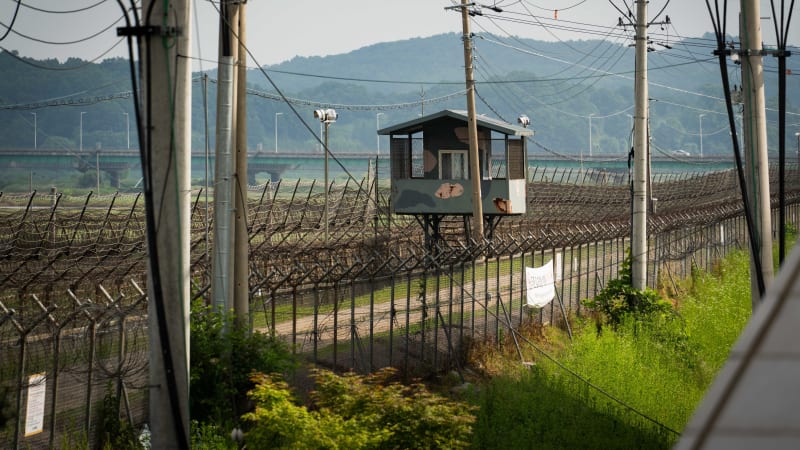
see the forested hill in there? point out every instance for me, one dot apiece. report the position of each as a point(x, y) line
point(560, 85)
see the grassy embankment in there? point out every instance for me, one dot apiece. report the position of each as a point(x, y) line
point(635, 386)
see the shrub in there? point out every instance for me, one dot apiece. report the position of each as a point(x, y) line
point(356, 412)
point(619, 299)
point(223, 357)
point(278, 422)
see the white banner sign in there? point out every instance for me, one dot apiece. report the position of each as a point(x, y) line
point(34, 413)
point(540, 284)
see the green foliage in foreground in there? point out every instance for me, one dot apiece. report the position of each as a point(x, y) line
point(355, 412)
point(223, 358)
point(660, 368)
point(619, 300)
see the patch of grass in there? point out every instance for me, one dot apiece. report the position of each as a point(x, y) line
point(658, 367)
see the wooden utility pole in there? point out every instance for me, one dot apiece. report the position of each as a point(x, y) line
point(640, 153)
point(472, 129)
point(167, 87)
point(755, 139)
point(241, 267)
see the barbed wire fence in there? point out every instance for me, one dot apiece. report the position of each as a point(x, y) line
point(73, 270)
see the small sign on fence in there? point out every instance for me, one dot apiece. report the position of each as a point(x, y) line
point(34, 412)
point(540, 284)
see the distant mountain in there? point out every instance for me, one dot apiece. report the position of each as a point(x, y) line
point(558, 84)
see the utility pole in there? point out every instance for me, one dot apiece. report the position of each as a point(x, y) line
point(755, 139)
point(167, 132)
point(222, 283)
point(641, 153)
point(241, 267)
point(472, 129)
point(641, 148)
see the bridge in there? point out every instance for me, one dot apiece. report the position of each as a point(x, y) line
point(115, 163)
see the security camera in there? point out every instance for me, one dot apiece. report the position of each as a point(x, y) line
point(524, 120)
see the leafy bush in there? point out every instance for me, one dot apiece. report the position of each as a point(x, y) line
point(620, 299)
point(278, 422)
point(223, 357)
point(356, 412)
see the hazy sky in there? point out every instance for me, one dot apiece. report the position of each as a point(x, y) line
point(278, 30)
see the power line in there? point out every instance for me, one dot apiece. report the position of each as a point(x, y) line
point(13, 19)
point(70, 11)
point(77, 41)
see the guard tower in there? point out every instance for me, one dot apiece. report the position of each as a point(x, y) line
point(430, 169)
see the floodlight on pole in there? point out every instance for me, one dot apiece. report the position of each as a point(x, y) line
point(276, 130)
point(326, 117)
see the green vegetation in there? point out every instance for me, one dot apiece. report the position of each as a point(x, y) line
point(223, 358)
point(631, 378)
point(112, 432)
point(619, 301)
point(658, 366)
point(434, 58)
point(354, 412)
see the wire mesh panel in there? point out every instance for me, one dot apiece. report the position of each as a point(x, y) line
point(77, 353)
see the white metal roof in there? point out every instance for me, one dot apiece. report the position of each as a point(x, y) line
point(415, 125)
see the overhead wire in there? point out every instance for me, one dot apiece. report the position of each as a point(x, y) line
point(13, 20)
point(76, 41)
point(564, 8)
point(578, 63)
point(495, 87)
point(297, 114)
point(603, 73)
point(68, 11)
